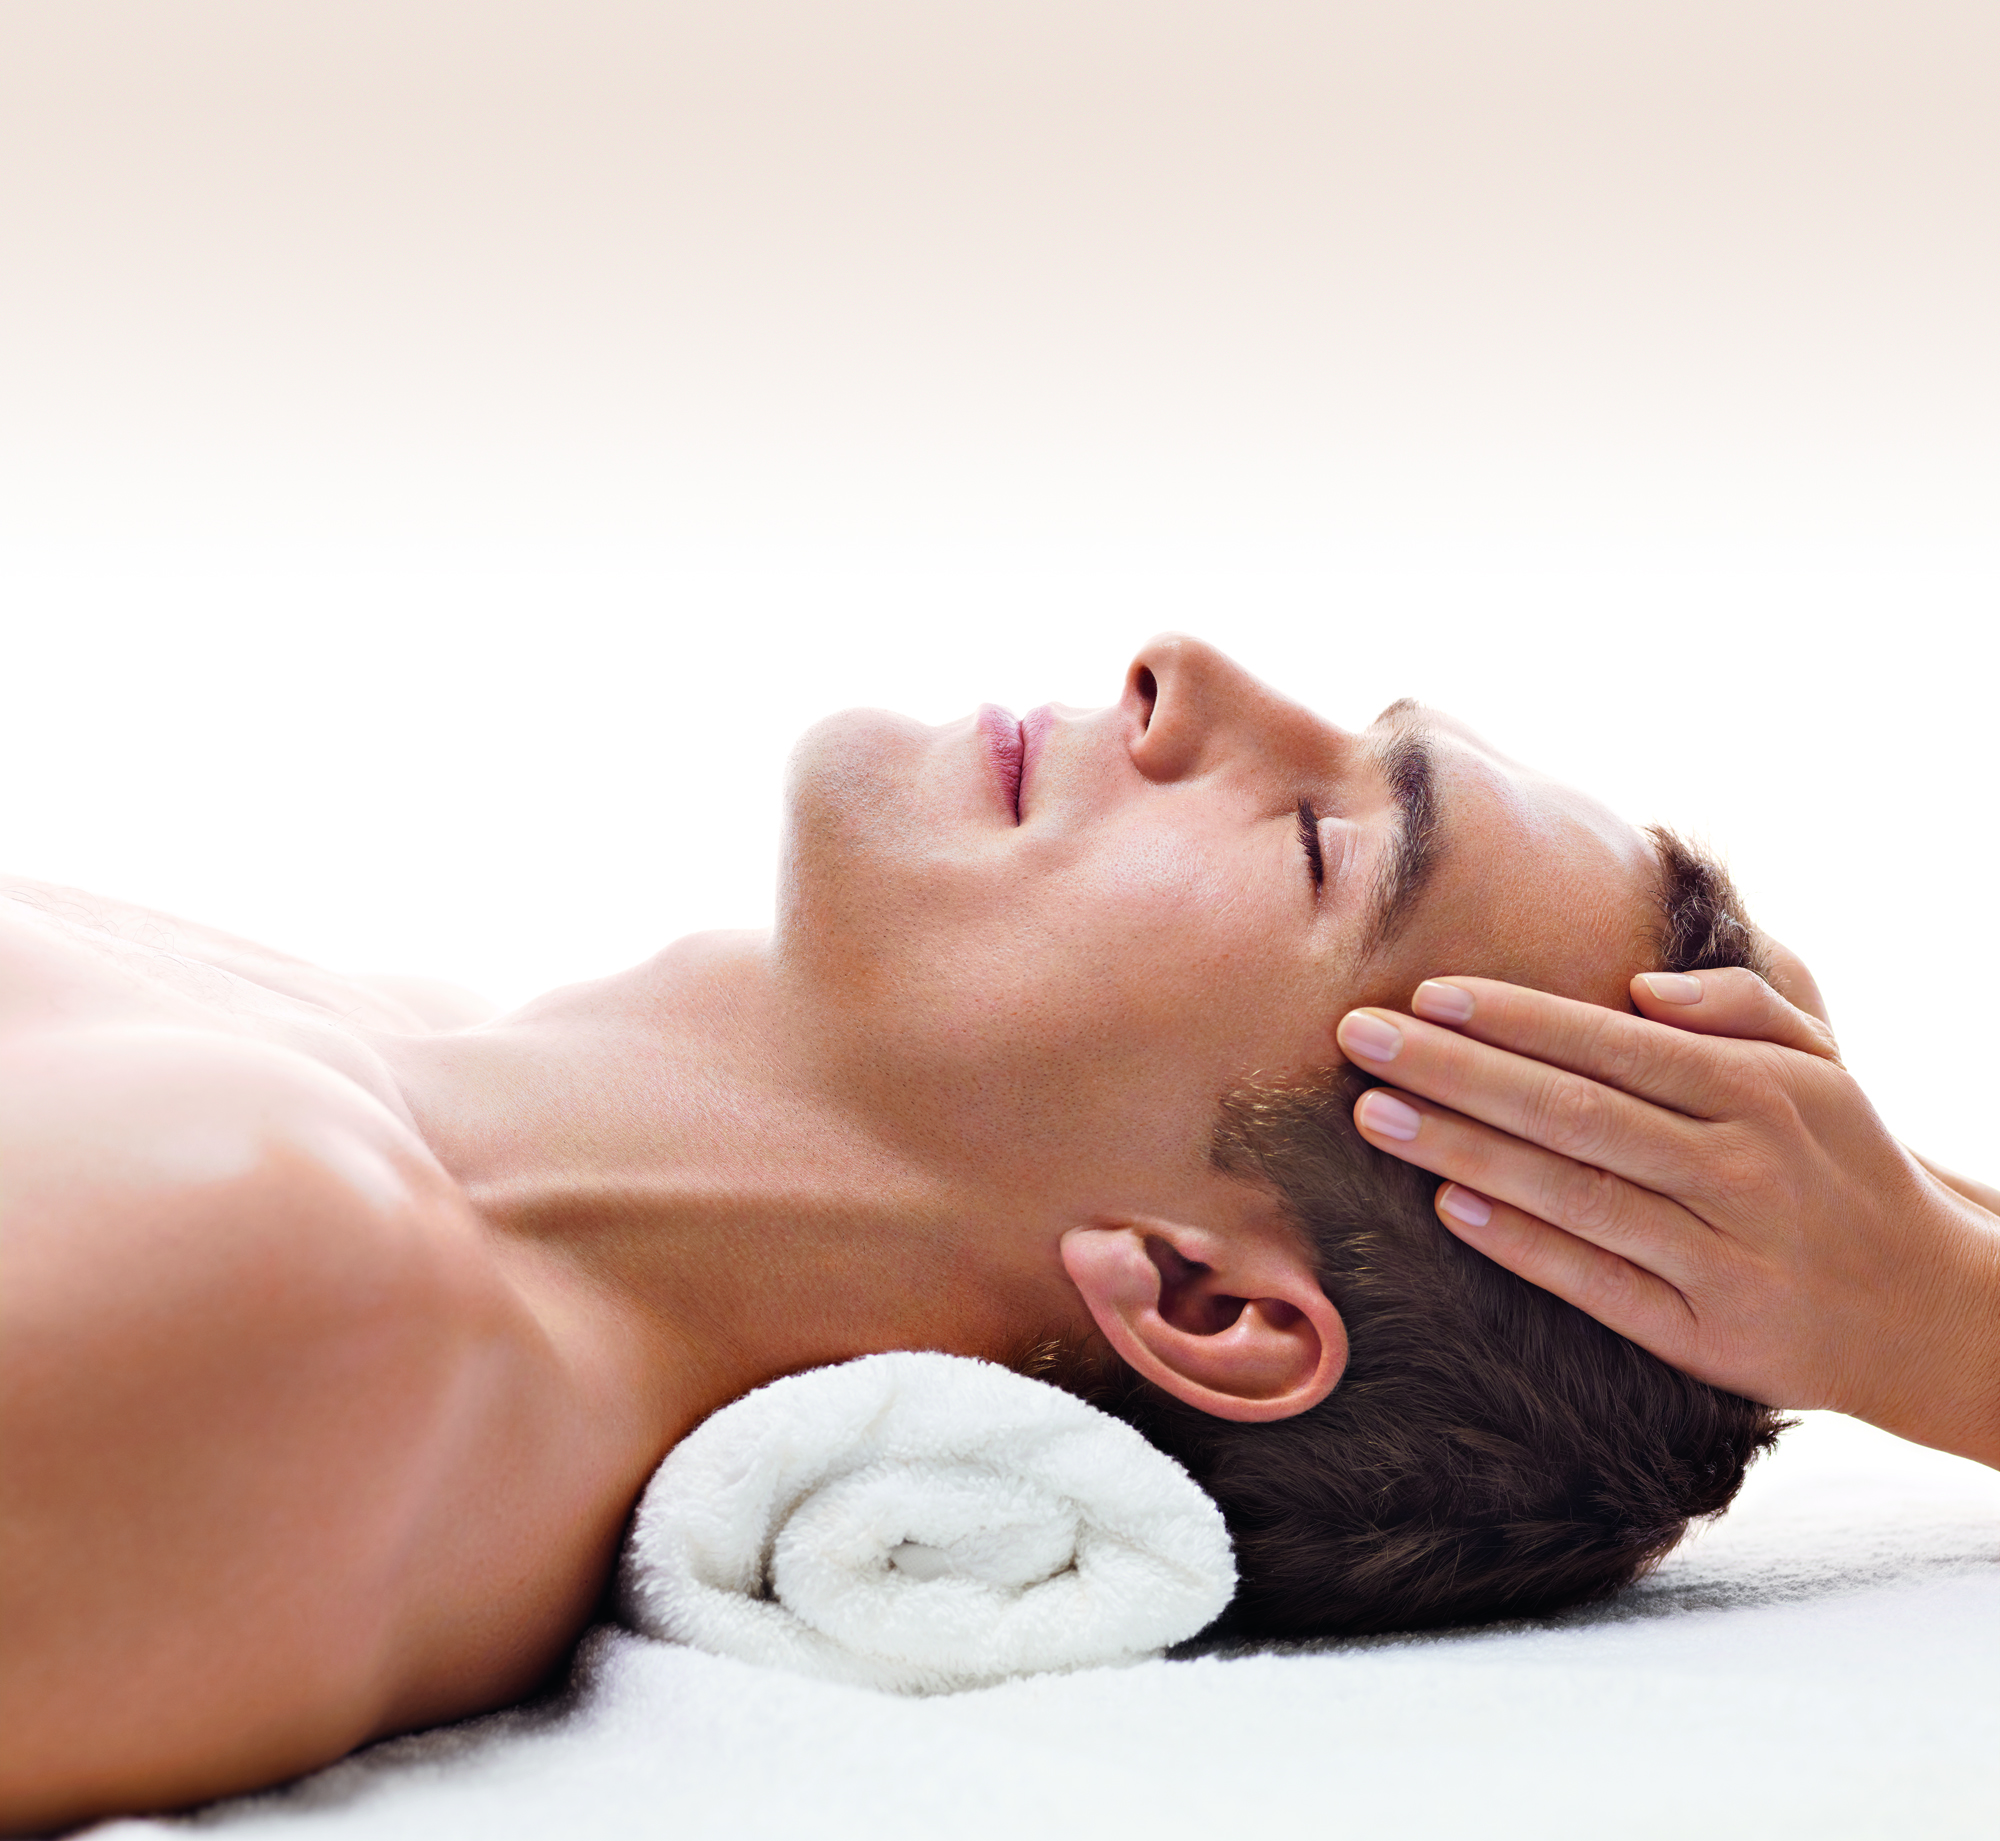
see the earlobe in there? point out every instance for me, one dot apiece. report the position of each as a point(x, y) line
point(1236, 1325)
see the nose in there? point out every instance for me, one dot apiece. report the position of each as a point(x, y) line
point(1193, 710)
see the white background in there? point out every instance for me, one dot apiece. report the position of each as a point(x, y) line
point(448, 451)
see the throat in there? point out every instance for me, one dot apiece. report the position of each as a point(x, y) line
point(666, 1170)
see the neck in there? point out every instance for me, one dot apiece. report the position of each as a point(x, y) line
point(664, 1148)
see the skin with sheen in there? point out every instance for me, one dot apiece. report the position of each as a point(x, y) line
point(339, 1337)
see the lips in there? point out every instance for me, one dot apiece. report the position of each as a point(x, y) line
point(1035, 727)
point(1005, 747)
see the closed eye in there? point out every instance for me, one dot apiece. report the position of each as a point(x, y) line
point(1309, 837)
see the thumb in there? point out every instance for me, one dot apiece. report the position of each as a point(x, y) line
point(1731, 1002)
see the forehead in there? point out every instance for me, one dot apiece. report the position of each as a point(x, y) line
point(1534, 800)
point(1535, 880)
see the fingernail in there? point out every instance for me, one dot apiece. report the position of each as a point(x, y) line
point(1464, 1206)
point(1673, 987)
point(1386, 1114)
point(1442, 1003)
point(1369, 1036)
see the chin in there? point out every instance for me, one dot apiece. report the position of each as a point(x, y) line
point(852, 822)
point(893, 859)
point(850, 739)
point(873, 786)
point(850, 774)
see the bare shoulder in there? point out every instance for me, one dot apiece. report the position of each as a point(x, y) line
point(113, 1133)
point(434, 1002)
point(216, 969)
point(239, 1297)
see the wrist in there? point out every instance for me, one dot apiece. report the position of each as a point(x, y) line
point(1984, 1442)
point(1948, 1394)
point(1970, 1187)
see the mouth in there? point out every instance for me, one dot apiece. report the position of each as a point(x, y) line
point(1035, 727)
point(1006, 749)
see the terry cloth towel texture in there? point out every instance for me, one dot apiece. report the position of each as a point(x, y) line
point(922, 1523)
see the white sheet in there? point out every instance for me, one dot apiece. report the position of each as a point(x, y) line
point(1825, 1662)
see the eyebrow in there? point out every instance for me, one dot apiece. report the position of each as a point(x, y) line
point(1407, 764)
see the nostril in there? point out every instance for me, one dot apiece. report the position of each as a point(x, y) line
point(1149, 691)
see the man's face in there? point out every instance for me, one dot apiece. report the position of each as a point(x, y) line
point(1064, 940)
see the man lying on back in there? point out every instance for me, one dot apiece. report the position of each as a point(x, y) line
point(335, 1347)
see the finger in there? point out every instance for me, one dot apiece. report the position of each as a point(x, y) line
point(1638, 1225)
point(1578, 1119)
point(1731, 1002)
point(1625, 1297)
point(1631, 1053)
point(1792, 978)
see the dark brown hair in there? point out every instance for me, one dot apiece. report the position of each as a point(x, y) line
point(1490, 1451)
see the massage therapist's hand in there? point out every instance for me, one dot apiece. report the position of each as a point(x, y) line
point(1706, 1179)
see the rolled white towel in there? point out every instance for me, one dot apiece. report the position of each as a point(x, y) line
point(922, 1523)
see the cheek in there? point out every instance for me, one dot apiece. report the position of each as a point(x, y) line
point(1148, 982)
point(1045, 996)
point(1157, 916)
point(1157, 952)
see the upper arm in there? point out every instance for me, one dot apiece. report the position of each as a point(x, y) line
point(226, 1340)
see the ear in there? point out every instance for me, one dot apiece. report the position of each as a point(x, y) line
point(1235, 1324)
